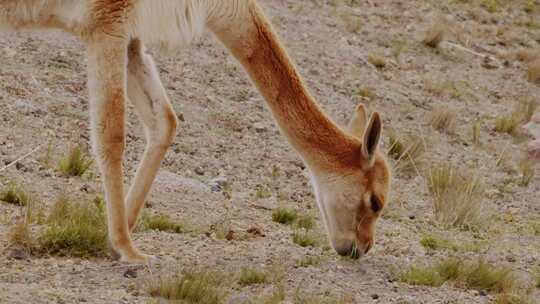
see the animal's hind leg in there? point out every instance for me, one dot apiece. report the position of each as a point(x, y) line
point(107, 62)
point(157, 115)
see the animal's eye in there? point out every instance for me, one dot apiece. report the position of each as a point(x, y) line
point(376, 204)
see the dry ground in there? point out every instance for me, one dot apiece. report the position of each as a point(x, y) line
point(227, 131)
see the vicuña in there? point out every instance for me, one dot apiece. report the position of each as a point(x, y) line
point(350, 176)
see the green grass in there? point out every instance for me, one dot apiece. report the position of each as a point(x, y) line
point(71, 229)
point(161, 223)
point(477, 275)
point(251, 276)
point(511, 298)
point(15, 195)
point(195, 287)
point(433, 242)
point(305, 221)
point(304, 238)
point(309, 261)
point(284, 216)
point(75, 162)
point(75, 229)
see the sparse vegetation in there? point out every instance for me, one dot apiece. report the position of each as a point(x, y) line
point(523, 111)
point(434, 242)
point(304, 238)
point(284, 216)
point(194, 287)
point(305, 221)
point(478, 275)
point(71, 229)
point(75, 162)
point(251, 276)
point(407, 151)
point(443, 120)
point(15, 195)
point(161, 223)
point(457, 197)
point(527, 170)
point(309, 261)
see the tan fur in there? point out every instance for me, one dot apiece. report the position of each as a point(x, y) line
point(347, 171)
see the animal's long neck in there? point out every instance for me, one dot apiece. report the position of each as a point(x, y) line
point(249, 36)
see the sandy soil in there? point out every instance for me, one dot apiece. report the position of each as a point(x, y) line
point(227, 131)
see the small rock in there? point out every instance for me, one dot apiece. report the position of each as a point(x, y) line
point(130, 273)
point(85, 188)
point(19, 166)
point(490, 63)
point(256, 231)
point(199, 171)
point(260, 127)
point(375, 296)
point(18, 254)
point(231, 235)
point(217, 184)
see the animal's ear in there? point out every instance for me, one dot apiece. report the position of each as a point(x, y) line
point(358, 122)
point(372, 137)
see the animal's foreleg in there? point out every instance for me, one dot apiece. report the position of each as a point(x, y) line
point(107, 60)
point(148, 96)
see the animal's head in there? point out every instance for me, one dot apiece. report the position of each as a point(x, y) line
point(352, 195)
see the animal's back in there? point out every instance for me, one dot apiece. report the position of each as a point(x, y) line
point(70, 15)
point(168, 23)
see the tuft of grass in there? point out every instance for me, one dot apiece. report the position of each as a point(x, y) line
point(522, 113)
point(366, 92)
point(476, 132)
point(512, 298)
point(277, 297)
point(407, 150)
point(15, 195)
point(305, 221)
point(508, 124)
point(196, 287)
point(309, 261)
point(284, 216)
point(75, 162)
point(304, 238)
point(70, 229)
point(477, 275)
point(433, 242)
point(443, 120)
point(161, 223)
point(527, 171)
point(491, 6)
point(300, 297)
point(421, 276)
point(251, 276)
point(376, 61)
point(457, 197)
point(75, 229)
point(483, 276)
point(533, 71)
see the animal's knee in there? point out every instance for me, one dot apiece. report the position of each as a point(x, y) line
point(170, 124)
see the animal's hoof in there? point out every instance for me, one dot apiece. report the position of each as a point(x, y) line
point(137, 258)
